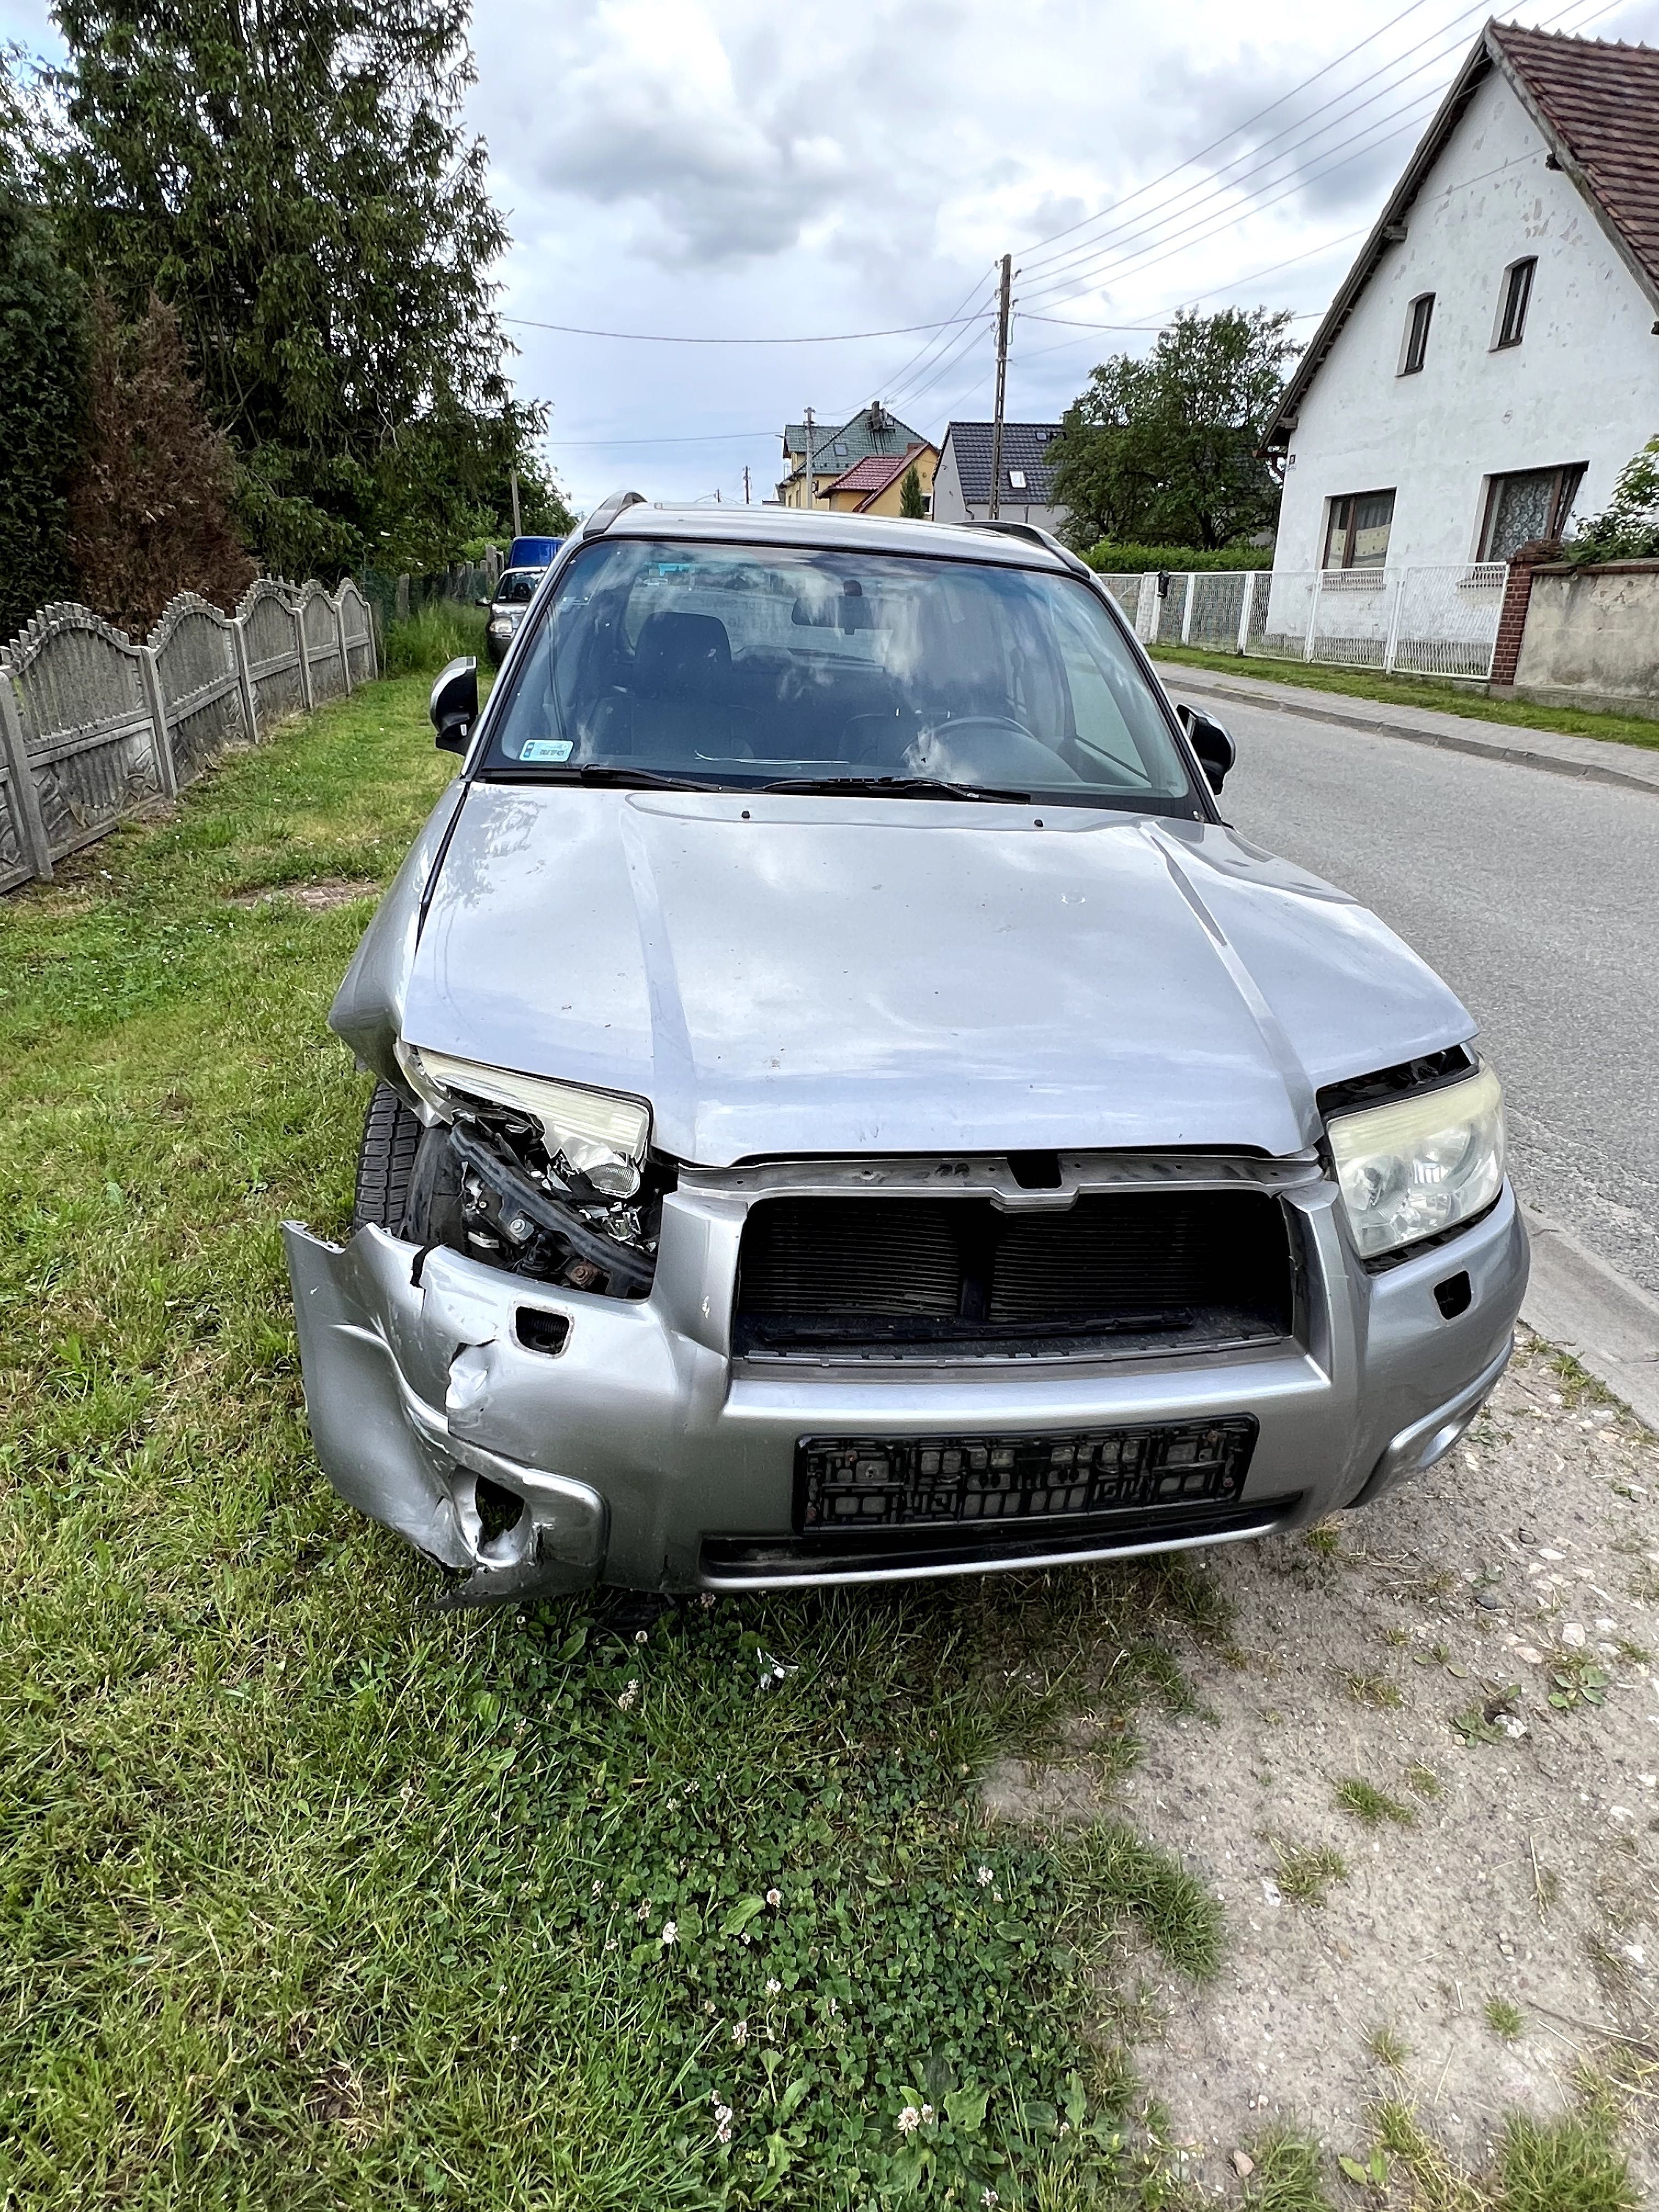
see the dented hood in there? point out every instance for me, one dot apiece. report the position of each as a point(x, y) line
point(800, 975)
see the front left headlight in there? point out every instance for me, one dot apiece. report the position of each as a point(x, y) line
point(1418, 1167)
point(599, 1133)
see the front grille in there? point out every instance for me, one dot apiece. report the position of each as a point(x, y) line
point(897, 1277)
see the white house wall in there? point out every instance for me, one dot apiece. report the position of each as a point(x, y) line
point(1581, 386)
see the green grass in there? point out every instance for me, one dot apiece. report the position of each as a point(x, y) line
point(422, 642)
point(1505, 2018)
point(1305, 1873)
point(1445, 697)
point(312, 1898)
point(1371, 1805)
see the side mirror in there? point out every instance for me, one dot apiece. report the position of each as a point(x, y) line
point(483, 600)
point(1210, 741)
point(455, 704)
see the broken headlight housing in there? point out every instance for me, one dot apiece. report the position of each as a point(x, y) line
point(1420, 1165)
point(603, 1136)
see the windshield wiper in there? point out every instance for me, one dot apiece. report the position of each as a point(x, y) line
point(900, 787)
point(645, 779)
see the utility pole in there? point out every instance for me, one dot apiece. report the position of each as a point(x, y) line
point(808, 412)
point(1002, 387)
point(513, 484)
point(745, 483)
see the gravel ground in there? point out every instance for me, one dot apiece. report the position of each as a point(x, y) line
point(1414, 1648)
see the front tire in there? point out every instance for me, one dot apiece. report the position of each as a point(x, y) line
point(392, 1135)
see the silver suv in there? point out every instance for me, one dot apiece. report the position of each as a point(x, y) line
point(850, 1109)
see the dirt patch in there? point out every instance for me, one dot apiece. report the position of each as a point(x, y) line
point(1441, 1716)
point(316, 898)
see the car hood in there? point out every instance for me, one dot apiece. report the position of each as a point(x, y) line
point(783, 974)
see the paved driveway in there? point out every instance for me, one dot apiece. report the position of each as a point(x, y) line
point(1538, 899)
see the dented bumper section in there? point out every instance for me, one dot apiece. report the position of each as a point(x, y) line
point(541, 1439)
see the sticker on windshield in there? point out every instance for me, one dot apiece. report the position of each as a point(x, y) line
point(547, 748)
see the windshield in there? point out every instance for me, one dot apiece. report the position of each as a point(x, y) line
point(738, 667)
point(517, 586)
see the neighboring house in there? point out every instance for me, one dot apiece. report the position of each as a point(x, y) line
point(875, 485)
point(962, 483)
point(836, 447)
point(1491, 361)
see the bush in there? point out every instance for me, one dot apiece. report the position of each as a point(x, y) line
point(149, 515)
point(1629, 531)
point(1109, 559)
point(421, 642)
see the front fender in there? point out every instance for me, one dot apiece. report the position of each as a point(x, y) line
point(367, 1011)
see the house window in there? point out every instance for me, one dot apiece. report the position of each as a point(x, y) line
point(1418, 316)
point(1017, 479)
point(1531, 503)
point(1357, 534)
point(1512, 309)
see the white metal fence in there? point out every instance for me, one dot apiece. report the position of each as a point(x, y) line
point(93, 726)
point(1422, 621)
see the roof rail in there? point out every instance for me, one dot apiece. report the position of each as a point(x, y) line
point(607, 511)
point(1035, 536)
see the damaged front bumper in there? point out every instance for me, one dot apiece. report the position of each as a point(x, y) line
point(630, 1445)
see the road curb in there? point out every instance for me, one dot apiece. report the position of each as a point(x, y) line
point(1176, 676)
point(1610, 1325)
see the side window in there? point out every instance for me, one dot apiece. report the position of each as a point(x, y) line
point(1512, 306)
point(1418, 316)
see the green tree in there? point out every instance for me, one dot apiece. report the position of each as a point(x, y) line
point(911, 502)
point(42, 375)
point(295, 178)
point(1166, 448)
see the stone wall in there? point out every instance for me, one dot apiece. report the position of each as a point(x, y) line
point(1591, 639)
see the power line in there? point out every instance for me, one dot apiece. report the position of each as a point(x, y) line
point(1126, 259)
point(1070, 269)
point(1083, 221)
point(671, 337)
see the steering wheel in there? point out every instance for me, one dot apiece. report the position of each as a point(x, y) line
point(966, 725)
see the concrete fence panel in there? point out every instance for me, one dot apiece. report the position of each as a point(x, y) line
point(357, 621)
point(324, 656)
point(198, 671)
point(90, 727)
point(275, 674)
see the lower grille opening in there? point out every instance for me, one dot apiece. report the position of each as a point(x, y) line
point(908, 1277)
point(731, 1562)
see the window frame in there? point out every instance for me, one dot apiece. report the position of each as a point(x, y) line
point(1514, 303)
point(1568, 475)
point(1415, 346)
point(1351, 500)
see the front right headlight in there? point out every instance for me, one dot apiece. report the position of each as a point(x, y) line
point(600, 1133)
point(1418, 1167)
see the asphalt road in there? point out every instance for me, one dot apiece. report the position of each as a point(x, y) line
point(1537, 898)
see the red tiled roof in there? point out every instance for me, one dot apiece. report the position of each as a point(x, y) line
point(875, 471)
point(1601, 102)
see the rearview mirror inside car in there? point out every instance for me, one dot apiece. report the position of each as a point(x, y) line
point(1211, 742)
point(454, 705)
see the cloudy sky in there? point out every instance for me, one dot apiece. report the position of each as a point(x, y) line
point(736, 169)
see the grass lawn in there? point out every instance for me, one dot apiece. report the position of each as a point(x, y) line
point(310, 1897)
point(1446, 698)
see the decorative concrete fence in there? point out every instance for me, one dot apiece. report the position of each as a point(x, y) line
point(1422, 621)
point(92, 728)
